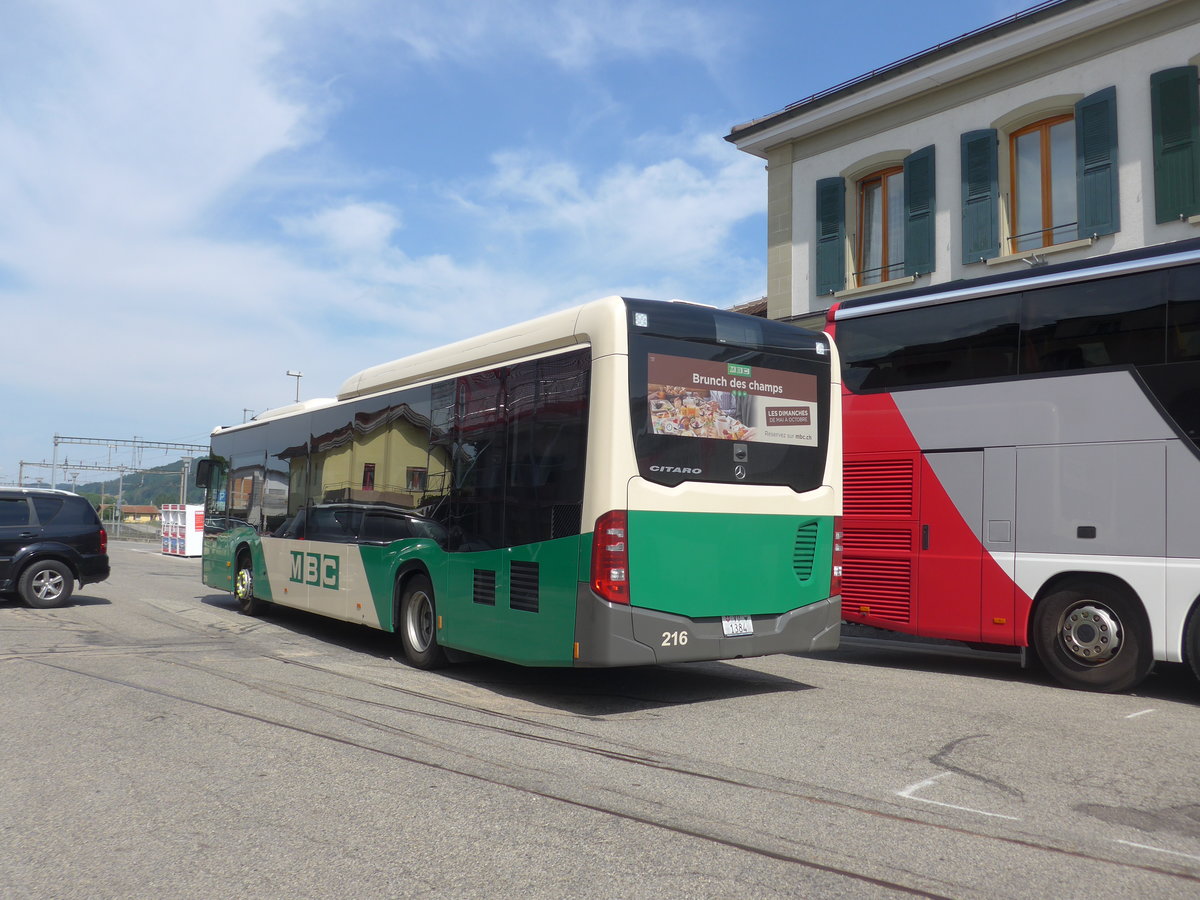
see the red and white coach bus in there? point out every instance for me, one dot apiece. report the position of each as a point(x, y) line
point(1022, 465)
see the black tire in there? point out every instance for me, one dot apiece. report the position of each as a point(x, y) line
point(1093, 637)
point(46, 584)
point(243, 588)
point(418, 625)
point(1191, 640)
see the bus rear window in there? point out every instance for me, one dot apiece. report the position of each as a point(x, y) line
point(698, 398)
point(733, 402)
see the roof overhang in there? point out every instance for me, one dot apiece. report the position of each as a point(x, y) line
point(994, 45)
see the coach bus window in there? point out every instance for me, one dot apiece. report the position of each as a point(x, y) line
point(547, 436)
point(1183, 315)
point(286, 473)
point(476, 520)
point(1110, 322)
point(395, 440)
point(246, 487)
point(339, 523)
point(1177, 384)
point(369, 453)
point(930, 345)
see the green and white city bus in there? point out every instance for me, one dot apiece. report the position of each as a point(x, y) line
point(628, 482)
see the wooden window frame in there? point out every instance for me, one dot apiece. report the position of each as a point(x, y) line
point(1047, 192)
point(881, 177)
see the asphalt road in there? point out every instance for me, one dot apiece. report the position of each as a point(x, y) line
point(155, 743)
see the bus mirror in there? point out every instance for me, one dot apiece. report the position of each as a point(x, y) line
point(203, 472)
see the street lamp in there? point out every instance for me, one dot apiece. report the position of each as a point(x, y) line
point(297, 376)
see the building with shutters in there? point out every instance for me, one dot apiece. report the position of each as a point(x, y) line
point(1065, 132)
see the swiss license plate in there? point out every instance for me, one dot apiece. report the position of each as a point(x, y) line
point(735, 625)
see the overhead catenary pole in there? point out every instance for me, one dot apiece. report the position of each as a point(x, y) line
point(137, 444)
point(183, 478)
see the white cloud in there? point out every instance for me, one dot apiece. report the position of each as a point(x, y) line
point(130, 129)
point(572, 33)
point(351, 229)
point(138, 119)
point(675, 212)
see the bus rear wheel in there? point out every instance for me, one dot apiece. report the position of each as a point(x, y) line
point(418, 625)
point(1093, 637)
point(1191, 640)
point(243, 588)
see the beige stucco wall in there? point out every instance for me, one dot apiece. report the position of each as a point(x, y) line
point(1003, 95)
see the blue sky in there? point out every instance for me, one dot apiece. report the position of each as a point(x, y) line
point(197, 197)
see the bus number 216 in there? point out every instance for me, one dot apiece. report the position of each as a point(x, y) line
point(674, 638)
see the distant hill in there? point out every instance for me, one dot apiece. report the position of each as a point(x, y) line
point(153, 487)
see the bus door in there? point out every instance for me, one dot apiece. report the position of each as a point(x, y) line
point(949, 549)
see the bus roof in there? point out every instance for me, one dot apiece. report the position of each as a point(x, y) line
point(1042, 276)
point(541, 335)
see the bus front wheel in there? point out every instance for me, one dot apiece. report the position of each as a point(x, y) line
point(418, 625)
point(1093, 637)
point(243, 588)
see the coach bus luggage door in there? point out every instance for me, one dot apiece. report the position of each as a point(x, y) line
point(998, 588)
point(949, 552)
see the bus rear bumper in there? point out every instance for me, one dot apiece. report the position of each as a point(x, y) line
point(612, 634)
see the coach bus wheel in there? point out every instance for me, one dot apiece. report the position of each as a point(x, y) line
point(418, 625)
point(243, 588)
point(1191, 640)
point(1093, 637)
point(46, 584)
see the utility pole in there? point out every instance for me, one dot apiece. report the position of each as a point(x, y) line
point(183, 478)
point(297, 376)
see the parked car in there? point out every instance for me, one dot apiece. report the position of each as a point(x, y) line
point(49, 540)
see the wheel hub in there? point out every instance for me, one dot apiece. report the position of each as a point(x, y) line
point(1091, 633)
point(47, 585)
point(420, 621)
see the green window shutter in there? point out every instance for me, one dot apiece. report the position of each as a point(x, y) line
point(1096, 163)
point(1175, 121)
point(831, 235)
point(918, 212)
point(980, 196)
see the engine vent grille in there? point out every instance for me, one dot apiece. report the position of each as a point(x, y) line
point(879, 488)
point(867, 540)
point(523, 587)
point(877, 588)
point(805, 550)
point(485, 587)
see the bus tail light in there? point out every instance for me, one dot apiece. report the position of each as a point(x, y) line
point(610, 557)
point(835, 576)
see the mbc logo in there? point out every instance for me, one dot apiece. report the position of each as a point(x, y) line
point(315, 569)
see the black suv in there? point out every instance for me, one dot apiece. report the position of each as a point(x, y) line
point(48, 541)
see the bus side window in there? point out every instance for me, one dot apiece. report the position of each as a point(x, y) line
point(1117, 321)
point(1183, 315)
